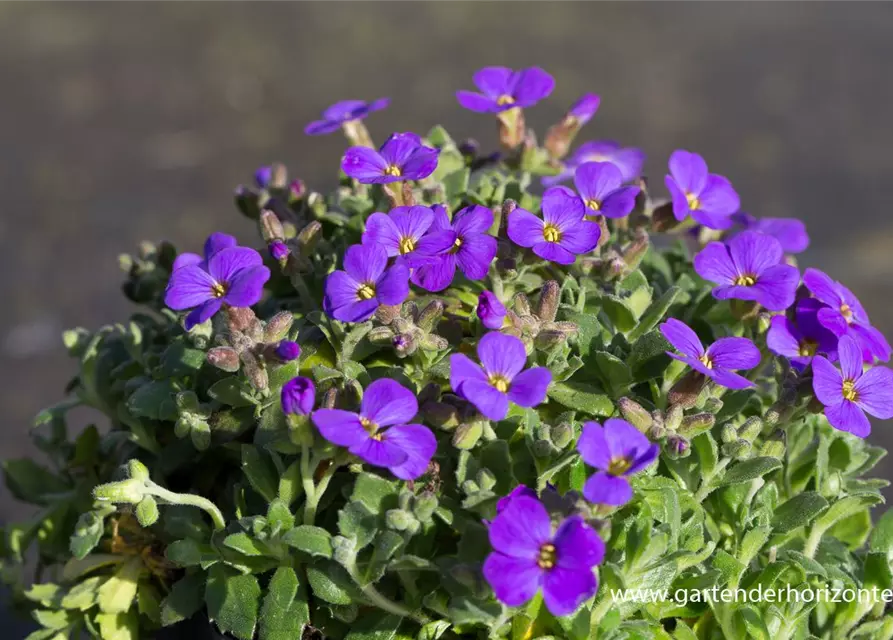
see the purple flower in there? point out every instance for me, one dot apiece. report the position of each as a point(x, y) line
point(263, 176)
point(600, 185)
point(790, 232)
point(227, 275)
point(617, 450)
point(378, 433)
point(503, 89)
point(749, 267)
point(561, 234)
point(520, 490)
point(719, 360)
point(803, 337)
point(343, 112)
point(628, 159)
point(401, 157)
point(845, 315)
point(501, 379)
point(279, 250)
point(707, 197)
point(527, 556)
point(354, 294)
point(287, 351)
point(849, 393)
point(404, 233)
point(490, 310)
point(472, 248)
point(583, 109)
point(298, 396)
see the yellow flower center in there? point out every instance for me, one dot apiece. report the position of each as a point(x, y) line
point(594, 205)
point(500, 382)
point(619, 466)
point(707, 361)
point(407, 244)
point(371, 427)
point(808, 348)
point(846, 312)
point(393, 170)
point(547, 556)
point(456, 245)
point(849, 390)
point(218, 290)
point(504, 100)
point(551, 233)
point(746, 280)
point(693, 202)
point(366, 291)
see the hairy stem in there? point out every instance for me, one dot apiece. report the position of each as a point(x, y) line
point(705, 489)
point(190, 500)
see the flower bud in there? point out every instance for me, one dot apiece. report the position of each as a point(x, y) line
point(560, 136)
point(485, 479)
point(663, 219)
point(124, 492)
point(729, 433)
point(262, 176)
point(490, 311)
point(279, 251)
point(542, 449)
point(246, 202)
point(278, 326)
point(673, 418)
point(562, 434)
point(512, 128)
point(750, 429)
point(696, 424)
point(739, 450)
point(380, 336)
point(286, 351)
point(635, 251)
point(430, 315)
point(404, 344)
point(441, 414)
point(549, 338)
point(308, 236)
point(241, 319)
point(713, 405)
point(298, 396)
point(687, 389)
point(271, 227)
point(424, 506)
point(386, 313)
point(635, 414)
point(224, 358)
point(147, 511)
point(255, 371)
point(678, 447)
point(773, 449)
point(200, 434)
point(398, 519)
point(296, 191)
point(550, 296)
point(831, 484)
point(434, 342)
point(467, 435)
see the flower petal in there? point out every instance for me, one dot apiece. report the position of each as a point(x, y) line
point(554, 252)
point(595, 180)
point(718, 197)
point(521, 529)
point(581, 238)
point(386, 402)
point(477, 102)
point(847, 416)
point(358, 311)
point(624, 440)
point(783, 337)
point(514, 580)
point(381, 453)
point(476, 254)
point(790, 232)
point(393, 287)
point(188, 287)
point(202, 312)
point(340, 427)
point(322, 127)
point(382, 230)
point(365, 263)
point(729, 379)
point(827, 383)
point(620, 203)
point(603, 488)
point(398, 148)
point(681, 208)
point(822, 287)
point(487, 399)
point(246, 287)
point(689, 170)
point(411, 222)
point(462, 369)
point(501, 354)
point(875, 392)
point(776, 288)
point(421, 163)
point(873, 343)
point(341, 289)
point(531, 86)
point(473, 219)
point(218, 242)
point(850, 355)
point(734, 353)
point(345, 110)
point(419, 444)
point(714, 263)
point(577, 545)
point(681, 336)
point(564, 590)
point(224, 264)
point(562, 208)
point(753, 252)
point(185, 259)
point(495, 81)
point(436, 275)
point(524, 228)
point(593, 446)
point(528, 388)
point(366, 165)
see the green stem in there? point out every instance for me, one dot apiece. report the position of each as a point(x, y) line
point(312, 502)
point(307, 299)
point(503, 618)
point(309, 487)
point(384, 603)
point(812, 542)
point(189, 500)
point(705, 488)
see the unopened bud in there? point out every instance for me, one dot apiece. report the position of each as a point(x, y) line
point(634, 252)
point(562, 434)
point(764, 321)
point(467, 435)
point(678, 447)
point(224, 358)
point(246, 202)
point(296, 190)
point(687, 389)
point(147, 511)
point(750, 429)
point(124, 492)
point(278, 326)
point(729, 433)
point(635, 414)
point(241, 319)
point(542, 449)
point(287, 350)
point(831, 484)
point(663, 219)
point(137, 470)
point(548, 339)
point(508, 206)
point(279, 251)
point(673, 417)
point(386, 313)
point(547, 308)
point(255, 371)
point(773, 449)
point(696, 424)
point(424, 506)
point(739, 450)
point(200, 434)
point(713, 405)
point(271, 227)
point(309, 236)
point(404, 344)
point(434, 342)
point(430, 315)
point(398, 519)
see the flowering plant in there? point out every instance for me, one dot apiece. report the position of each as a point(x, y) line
point(455, 398)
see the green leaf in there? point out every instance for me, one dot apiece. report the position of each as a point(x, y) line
point(119, 626)
point(315, 541)
point(387, 543)
point(798, 511)
point(87, 534)
point(356, 521)
point(751, 544)
point(328, 584)
point(233, 601)
point(882, 536)
point(433, 630)
point(648, 357)
point(233, 390)
point(188, 552)
point(260, 472)
point(282, 617)
point(589, 331)
point(750, 470)
point(186, 598)
point(279, 516)
point(83, 595)
point(654, 313)
point(846, 507)
point(615, 374)
point(619, 312)
point(116, 595)
point(30, 482)
point(375, 626)
point(581, 397)
point(243, 543)
point(154, 400)
point(53, 619)
point(179, 360)
point(375, 492)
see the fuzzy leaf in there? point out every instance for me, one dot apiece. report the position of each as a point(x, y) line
point(749, 470)
point(233, 601)
point(260, 472)
point(329, 584)
point(581, 397)
point(186, 597)
point(375, 626)
point(654, 313)
point(154, 400)
point(309, 539)
point(118, 592)
point(233, 391)
point(375, 492)
point(798, 511)
point(282, 617)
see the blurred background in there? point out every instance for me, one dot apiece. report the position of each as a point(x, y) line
point(132, 121)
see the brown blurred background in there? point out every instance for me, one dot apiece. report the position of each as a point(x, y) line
point(131, 121)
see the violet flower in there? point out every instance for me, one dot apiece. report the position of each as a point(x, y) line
point(561, 234)
point(278, 250)
point(849, 393)
point(263, 176)
point(343, 112)
point(528, 556)
point(404, 233)
point(790, 232)
point(717, 361)
point(288, 350)
point(628, 159)
point(517, 492)
point(707, 197)
point(401, 157)
point(501, 378)
point(298, 396)
point(583, 109)
point(617, 450)
point(472, 248)
point(750, 266)
point(600, 185)
point(490, 310)
point(228, 274)
point(354, 294)
point(502, 89)
point(378, 433)
point(801, 338)
point(845, 315)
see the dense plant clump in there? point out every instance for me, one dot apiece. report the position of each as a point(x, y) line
point(456, 398)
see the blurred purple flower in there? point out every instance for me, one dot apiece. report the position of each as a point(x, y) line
point(343, 112)
point(628, 159)
point(490, 310)
point(584, 108)
point(707, 197)
point(600, 185)
point(502, 89)
point(790, 232)
point(401, 157)
point(287, 350)
point(298, 396)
